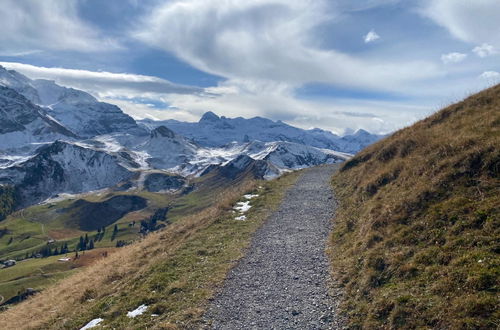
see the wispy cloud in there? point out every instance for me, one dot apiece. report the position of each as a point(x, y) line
point(453, 58)
point(268, 40)
point(29, 25)
point(105, 84)
point(470, 21)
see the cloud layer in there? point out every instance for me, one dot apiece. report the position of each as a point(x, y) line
point(268, 40)
point(473, 21)
point(32, 25)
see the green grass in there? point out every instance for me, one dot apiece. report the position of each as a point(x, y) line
point(32, 273)
point(174, 271)
point(178, 287)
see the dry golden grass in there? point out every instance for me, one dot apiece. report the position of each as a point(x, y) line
point(174, 271)
point(63, 302)
point(417, 230)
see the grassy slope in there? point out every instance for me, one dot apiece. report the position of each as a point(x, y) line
point(174, 271)
point(31, 228)
point(416, 242)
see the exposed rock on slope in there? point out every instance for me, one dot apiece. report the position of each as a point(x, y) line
point(244, 165)
point(78, 111)
point(156, 182)
point(22, 123)
point(166, 149)
point(63, 168)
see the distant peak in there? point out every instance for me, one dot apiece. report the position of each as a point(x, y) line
point(362, 132)
point(209, 116)
point(162, 131)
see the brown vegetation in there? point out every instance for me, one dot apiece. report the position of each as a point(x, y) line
point(174, 271)
point(416, 242)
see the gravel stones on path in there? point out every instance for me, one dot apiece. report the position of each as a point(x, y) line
point(282, 281)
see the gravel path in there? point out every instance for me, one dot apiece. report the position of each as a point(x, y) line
point(281, 283)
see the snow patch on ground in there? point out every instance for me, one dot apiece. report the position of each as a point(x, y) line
point(241, 218)
point(92, 324)
point(242, 207)
point(138, 311)
point(250, 196)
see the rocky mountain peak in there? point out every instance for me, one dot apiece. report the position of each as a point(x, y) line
point(209, 116)
point(162, 131)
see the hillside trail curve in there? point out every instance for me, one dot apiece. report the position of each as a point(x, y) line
point(282, 281)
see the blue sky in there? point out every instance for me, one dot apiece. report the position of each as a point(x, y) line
point(334, 64)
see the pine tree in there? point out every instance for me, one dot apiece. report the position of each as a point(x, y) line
point(81, 245)
point(91, 244)
point(115, 231)
point(56, 251)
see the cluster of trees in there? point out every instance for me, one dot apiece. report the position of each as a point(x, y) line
point(100, 233)
point(151, 224)
point(85, 243)
point(7, 200)
point(48, 251)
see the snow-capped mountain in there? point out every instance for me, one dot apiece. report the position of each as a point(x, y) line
point(57, 140)
point(214, 131)
point(280, 156)
point(243, 165)
point(166, 149)
point(63, 167)
point(24, 125)
point(77, 110)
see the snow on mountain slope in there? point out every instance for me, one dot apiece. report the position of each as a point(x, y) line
point(215, 131)
point(25, 125)
point(77, 110)
point(281, 156)
point(166, 149)
point(244, 165)
point(63, 167)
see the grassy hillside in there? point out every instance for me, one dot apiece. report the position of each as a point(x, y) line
point(417, 236)
point(53, 225)
point(174, 271)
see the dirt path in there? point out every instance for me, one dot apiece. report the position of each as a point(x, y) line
point(281, 283)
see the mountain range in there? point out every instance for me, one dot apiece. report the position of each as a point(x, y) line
point(55, 139)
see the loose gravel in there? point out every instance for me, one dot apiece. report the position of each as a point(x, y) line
point(281, 283)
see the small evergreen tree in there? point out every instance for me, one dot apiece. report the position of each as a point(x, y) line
point(115, 232)
point(91, 244)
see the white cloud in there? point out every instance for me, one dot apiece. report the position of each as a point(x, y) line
point(453, 58)
point(485, 50)
point(490, 75)
point(268, 40)
point(34, 25)
point(104, 84)
point(371, 36)
point(278, 101)
point(473, 21)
